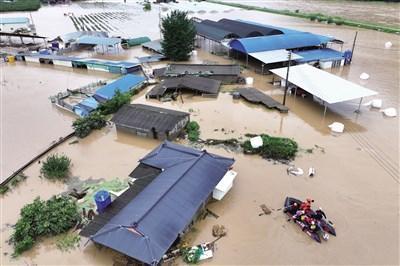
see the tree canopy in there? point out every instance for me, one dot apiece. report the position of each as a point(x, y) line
point(178, 36)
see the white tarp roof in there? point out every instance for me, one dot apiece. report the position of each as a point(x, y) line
point(326, 86)
point(274, 56)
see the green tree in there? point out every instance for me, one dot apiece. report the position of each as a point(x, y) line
point(178, 36)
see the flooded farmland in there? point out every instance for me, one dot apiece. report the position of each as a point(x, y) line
point(356, 178)
point(384, 13)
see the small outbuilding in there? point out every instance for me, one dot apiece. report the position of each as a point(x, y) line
point(150, 121)
point(199, 85)
point(224, 73)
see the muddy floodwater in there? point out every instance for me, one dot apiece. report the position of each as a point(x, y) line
point(357, 172)
point(385, 13)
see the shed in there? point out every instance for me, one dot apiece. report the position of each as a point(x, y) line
point(150, 121)
point(326, 86)
point(126, 43)
point(200, 85)
point(163, 211)
point(326, 57)
point(12, 24)
point(94, 40)
point(224, 73)
point(154, 46)
point(123, 84)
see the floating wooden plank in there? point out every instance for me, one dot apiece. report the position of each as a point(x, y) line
point(255, 96)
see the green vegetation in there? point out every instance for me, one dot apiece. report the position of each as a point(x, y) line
point(17, 179)
point(4, 189)
point(147, 6)
point(193, 131)
point(178, 36)
point(68, 241)
point(56, 166)
point(19, 5)
point(313, 16)
point(191, 256)
point(273, 147)
point(43, 218)
point(116, 102)
point(83, 126)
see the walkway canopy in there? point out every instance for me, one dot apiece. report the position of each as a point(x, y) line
point(93, 40)
point(274, 56)
point(326, 86)
point(277, 42)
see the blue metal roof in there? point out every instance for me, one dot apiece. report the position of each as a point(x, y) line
point(319, 55)
point(94, 40)
point(17, 20)
point(123, 84)
point(146, 227)
point(86, 106)
point(277, 42)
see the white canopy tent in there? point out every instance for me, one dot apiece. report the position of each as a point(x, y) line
point(274, 56)
point(326, 86)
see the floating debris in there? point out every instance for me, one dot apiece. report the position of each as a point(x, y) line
point(296, 171)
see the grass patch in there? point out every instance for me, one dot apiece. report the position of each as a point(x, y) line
point(273, 147)
point(193, 131)
point(4, 189)
point(68, 241)
point(43, 218)
point(56, 167)
point(19, 5)
point(313, 16)
point(17, 179)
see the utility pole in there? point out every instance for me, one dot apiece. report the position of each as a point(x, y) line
point(354, 45)
point(287, 78)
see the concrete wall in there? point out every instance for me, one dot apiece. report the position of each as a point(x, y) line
point(62, 63)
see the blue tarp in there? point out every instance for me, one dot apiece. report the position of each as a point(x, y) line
point(94, 40)
point(319, 55)
point(123, 84)
point(147, 227)
point(277, 42)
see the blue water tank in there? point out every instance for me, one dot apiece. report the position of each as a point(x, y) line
point(102, 199)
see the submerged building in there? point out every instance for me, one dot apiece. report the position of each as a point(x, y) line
point(150, 121)
point(172, 187)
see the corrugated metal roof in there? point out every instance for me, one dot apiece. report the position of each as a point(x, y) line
point(319, 55)
point(146, 228)
point(283, 30)
point(94, 40)
point(155, 46)
point(202, 69)
point(274, 56)
point(146, 117)
point(199, 84)
point(276, 42)
point(211, 32)
point(123, 84)
point(16, 20)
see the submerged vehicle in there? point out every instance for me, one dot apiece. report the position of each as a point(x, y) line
point(291, 206)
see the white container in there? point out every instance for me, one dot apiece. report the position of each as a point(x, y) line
point(390, 112)
point(256, 142)
point(388, 45)
point(224, 185)
point(364, 76)
point(377, 103)
point(336, 127)
point(249, 80)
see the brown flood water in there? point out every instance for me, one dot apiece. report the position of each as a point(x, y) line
point(355, 181)
point(385, 13)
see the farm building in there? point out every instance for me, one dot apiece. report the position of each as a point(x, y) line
point(267, 46)
point(124, 84)
point(153, 215)
point(154, 46)
point(198, 85)
point(11, 25)
point(224, 73)
point(150, 121)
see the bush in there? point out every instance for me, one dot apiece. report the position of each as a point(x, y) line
point(338, 21)
point(43, 218)
point(273, 148)
point(330, 20)
point(56, 166)
point(178, 36)
point(147, 6)
point(84, 125)
point(116, 102)
point(193, 131)
point(3, 189)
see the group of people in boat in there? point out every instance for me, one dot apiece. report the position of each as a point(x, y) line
point(305, 214)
